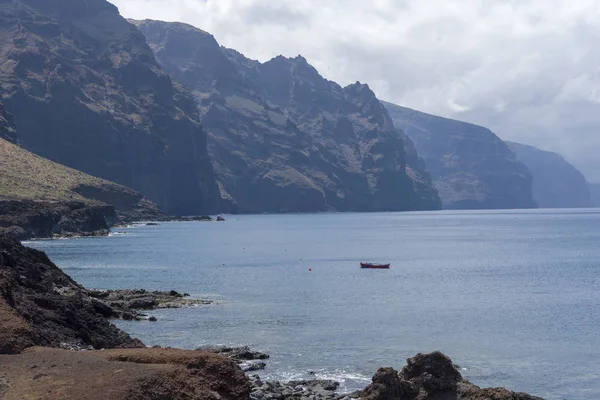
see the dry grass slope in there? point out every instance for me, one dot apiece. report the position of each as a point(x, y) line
point(24, 175)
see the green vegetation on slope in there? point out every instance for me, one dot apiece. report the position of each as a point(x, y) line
point(25, 175)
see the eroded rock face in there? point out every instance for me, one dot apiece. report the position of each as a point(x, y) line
point(432, 377)
point(7, 125)
point(283, 138)
point(85, 91)
point(556, 183)
point(41, 306)
point(27, 219)
point(471, 167)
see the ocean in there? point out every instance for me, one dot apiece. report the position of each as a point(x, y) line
point(513, 297)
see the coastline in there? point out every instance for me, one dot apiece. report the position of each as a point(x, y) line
point(17, 261)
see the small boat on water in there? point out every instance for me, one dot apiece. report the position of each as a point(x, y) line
point(374, 266)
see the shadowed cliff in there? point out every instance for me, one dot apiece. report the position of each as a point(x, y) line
point(283, 138)
point(85, 91)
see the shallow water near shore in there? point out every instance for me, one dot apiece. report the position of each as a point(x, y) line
point(513, 297)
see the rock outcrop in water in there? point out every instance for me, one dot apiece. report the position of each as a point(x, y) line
point(283, 138)
point(431, 377)
point(85, 91)
point(556, 183)
point(471, 167)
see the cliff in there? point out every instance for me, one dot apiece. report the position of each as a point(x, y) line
point(470, 166)
point(556, 183)
point(85, 91)
point(594, 194)
point(40, 198)
point(283, 138)
point(7, 125)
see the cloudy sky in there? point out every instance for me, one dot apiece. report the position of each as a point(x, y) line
point(527, 69)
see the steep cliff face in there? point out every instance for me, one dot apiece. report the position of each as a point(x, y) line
point(85, 91)
point(556, 183)
point(426, 195)
point(282, 137)
point(594, 194)
point(40, 198)
point(7, 126)
point(471, 167)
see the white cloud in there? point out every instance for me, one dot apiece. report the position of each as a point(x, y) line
point(527, 69)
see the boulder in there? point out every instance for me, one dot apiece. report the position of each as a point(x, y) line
point(432, 376)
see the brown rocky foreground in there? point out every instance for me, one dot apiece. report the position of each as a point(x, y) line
point(41, 306)
point(130, 374)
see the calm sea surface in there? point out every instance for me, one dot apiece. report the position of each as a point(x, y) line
point(512, 297)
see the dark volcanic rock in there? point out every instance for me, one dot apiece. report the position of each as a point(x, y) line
point(238, 354)
point(85, 91)
point(7, 126)
point(556, 183)
point(41, 306)
point(26, 219)
point(126, 303)
point(426, 195)
point(431, 377)
point(595, 194)
point(283, 138)
point(471, 167)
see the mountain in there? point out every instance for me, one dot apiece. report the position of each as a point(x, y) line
point(283, 138)
point(85, 91)
point(471, 167)
point(594, 194)
point(40, 198)
point(556, 183)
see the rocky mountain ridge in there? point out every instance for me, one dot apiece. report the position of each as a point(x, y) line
point(283, 138)
point(85, 91)
point(556, 182)
point(470, 166)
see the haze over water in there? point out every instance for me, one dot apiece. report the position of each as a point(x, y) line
point(511, 296)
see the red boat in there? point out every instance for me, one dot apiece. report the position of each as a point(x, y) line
point(374, 266)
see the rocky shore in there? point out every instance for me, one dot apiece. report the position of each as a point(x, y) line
point(425, 377)
point(85, 356)
point(128, 304)
point(26, 219)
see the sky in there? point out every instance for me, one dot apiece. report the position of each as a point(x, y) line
point(527, 69)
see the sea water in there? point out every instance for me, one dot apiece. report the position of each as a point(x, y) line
point(513, 297)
